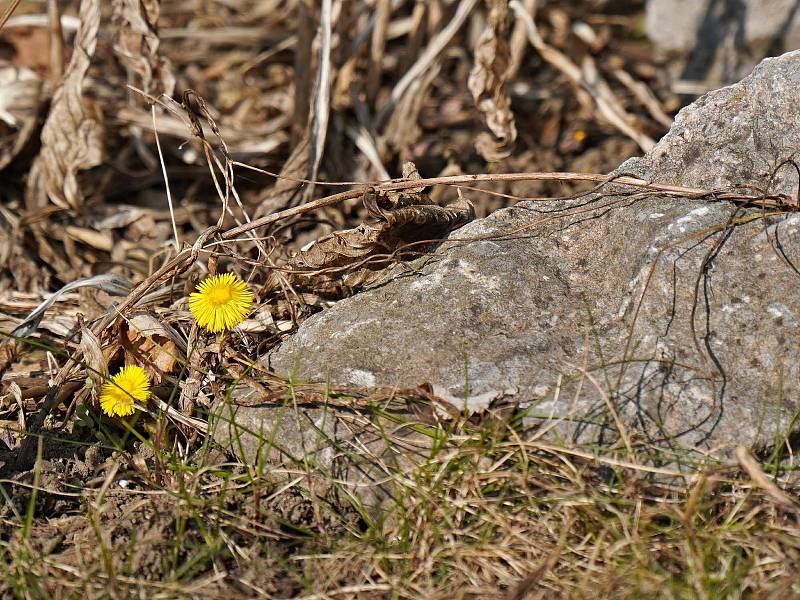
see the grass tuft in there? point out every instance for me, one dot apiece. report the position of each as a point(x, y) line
point(483, 514)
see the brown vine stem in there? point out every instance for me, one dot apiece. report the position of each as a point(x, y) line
point(401, 184)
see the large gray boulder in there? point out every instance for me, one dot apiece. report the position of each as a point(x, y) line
point(643, 305)
point(719, 41)
point(628, 317)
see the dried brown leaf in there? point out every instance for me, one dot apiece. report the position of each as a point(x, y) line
point(349, 259)
point(147, 341)
point(487, 84)
point(72, 136)
point(137, 44)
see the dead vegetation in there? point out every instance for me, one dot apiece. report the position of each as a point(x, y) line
point(146, 145)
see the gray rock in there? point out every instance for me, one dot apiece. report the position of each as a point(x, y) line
point(719, 41)
point(646, 308)
point(626, 317)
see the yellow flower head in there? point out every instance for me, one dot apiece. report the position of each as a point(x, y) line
point(118, 394)
point(220, 302)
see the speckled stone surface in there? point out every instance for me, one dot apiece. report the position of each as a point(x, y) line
point(647, 305)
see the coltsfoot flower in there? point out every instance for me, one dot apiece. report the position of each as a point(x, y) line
point(119, 393)
point(220, 302)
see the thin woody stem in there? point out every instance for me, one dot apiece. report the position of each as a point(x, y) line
point(402, 184)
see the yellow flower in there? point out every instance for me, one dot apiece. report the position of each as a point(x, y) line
point(118, 394)
point(220, 302)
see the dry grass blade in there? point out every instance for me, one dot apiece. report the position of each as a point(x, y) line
point(113, 284)
point(521, 590)
point(9, 10)
point(423, 63)
point(322, 89)
point(377, 45)
point(166, 180)
point(645, 95)
point(756, 473)
point(179, 417)
point(364, 141)
point(56, 43)
point(401, 130)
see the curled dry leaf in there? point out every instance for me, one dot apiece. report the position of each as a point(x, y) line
point(20, 98)
point(401, 223)
point(155, 345)
point(138, 42)
point(72, 136)
point(487, 82)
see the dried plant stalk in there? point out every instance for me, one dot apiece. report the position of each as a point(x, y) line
point(73, 136)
